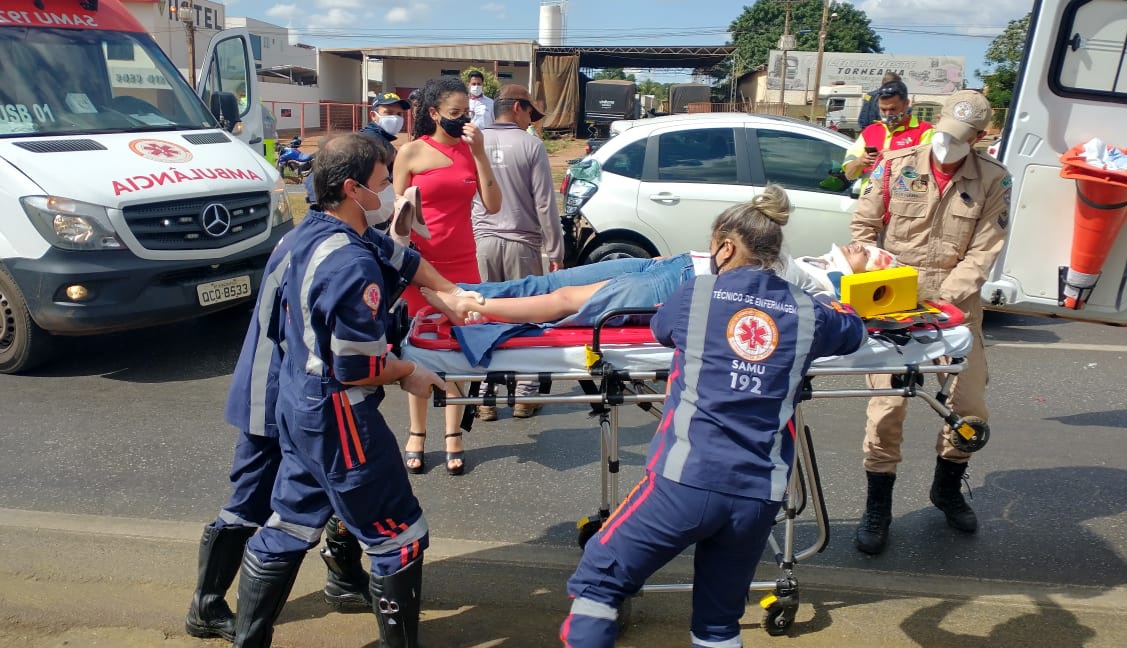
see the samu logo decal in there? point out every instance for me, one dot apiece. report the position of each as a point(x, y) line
point(753, 335)
point(160, 150)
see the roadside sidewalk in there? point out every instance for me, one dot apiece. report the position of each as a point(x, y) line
point(77, 580)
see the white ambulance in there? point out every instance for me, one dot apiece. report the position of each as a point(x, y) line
point(125, 199)
point(1067, 252)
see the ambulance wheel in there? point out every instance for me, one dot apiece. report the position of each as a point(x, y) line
point(778, 620)
point(977, 440)
point(23, 344)
point(587, 529)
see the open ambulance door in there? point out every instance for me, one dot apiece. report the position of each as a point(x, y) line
point(1072, 87)
point(229, 69)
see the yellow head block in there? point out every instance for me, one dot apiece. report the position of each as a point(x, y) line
point(881, 291)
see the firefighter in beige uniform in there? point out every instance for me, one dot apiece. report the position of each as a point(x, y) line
point(941, 208)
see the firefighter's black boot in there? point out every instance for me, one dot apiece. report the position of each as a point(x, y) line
point(872, 533)
point(221, 553)
point(346, 587)
point(263, 590)
point(396, 600)
point(947, 496)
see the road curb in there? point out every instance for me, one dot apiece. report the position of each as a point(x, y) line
point(475, 553)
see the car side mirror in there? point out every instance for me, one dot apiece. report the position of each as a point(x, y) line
point(855, 190)
point(225, 108)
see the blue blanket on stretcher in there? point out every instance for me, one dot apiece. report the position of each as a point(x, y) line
point(631, 283)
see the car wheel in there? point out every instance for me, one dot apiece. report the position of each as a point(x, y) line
point(22, 343)
point(616, 250)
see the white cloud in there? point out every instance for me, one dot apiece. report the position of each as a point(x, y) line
point(971, 17)
point(284, 11)
point(338, 4)
point(333, 19)
point(412, 12)
point(493, 7)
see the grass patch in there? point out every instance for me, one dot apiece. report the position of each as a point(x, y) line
point(297, 205)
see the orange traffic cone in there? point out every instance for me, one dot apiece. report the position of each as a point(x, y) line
point(1101, 210)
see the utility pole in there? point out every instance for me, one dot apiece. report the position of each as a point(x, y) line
point(818, 64)
point(786, 42)
point(190, 31)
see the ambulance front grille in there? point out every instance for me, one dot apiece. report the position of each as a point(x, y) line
point(179, 224)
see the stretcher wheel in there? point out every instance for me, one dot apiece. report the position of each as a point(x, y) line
point(779, 613)
point(972, 435)
point(588, 527)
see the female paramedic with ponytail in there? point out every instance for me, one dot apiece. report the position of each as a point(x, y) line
point(719, 462)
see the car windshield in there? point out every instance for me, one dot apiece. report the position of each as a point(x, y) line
point(69, 81)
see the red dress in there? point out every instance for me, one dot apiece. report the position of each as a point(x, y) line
point(446, 197)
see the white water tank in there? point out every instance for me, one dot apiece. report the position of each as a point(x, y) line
point(551, 24)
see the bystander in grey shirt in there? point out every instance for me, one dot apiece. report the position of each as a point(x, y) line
point(529, 213)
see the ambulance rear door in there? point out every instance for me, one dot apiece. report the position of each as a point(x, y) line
point(229, 68)
point(1072, 88)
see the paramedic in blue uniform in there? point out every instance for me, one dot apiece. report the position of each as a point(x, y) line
point(250, 408)
point(719, 463)
point(337, 452)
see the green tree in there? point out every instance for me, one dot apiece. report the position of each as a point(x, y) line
point(1004, 54)
point(650, 87)
point(613, 73)
point(756, 31)
point(489, 82)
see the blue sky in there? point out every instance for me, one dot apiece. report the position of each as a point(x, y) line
point(950, 27)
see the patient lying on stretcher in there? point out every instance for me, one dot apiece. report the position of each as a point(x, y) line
point(578, 296)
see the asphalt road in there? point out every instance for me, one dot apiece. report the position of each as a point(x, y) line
point(130, 425)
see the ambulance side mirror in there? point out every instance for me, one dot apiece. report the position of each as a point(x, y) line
point(855, 190)
point(225, 108)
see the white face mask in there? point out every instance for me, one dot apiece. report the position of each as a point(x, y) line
point(379, 217)
point(392, 124)
point(947, 149)
point(476, 90)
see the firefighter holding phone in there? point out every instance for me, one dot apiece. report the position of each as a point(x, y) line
point(898, 128)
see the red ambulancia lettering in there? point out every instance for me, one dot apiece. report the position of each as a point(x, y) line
point(142, 182)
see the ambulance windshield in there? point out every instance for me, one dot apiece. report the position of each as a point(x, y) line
point(75, 81)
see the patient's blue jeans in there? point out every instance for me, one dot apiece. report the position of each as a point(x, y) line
point(633, 283)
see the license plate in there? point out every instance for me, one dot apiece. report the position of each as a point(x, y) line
point(217, 292)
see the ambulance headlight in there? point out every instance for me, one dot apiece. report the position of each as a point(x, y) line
point(71, 224)
point(280, 211)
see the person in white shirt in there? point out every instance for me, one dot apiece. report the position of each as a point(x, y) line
point(481, 106)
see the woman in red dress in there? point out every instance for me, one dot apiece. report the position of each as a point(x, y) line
point(448, 163)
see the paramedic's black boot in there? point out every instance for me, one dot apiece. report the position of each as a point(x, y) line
point(347, 585)
point(872, 533)
point(947, 496)
point(396, 600)
point(221, 553)
point(263, 590)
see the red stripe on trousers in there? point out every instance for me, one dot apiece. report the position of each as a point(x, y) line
point(343, 433)
point(605, 537)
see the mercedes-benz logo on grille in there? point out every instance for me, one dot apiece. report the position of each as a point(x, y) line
point(216, 220)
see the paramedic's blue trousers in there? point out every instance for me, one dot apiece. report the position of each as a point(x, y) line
point(653, 524)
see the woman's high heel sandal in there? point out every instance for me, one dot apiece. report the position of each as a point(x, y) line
point(417, 456)
point(455, 456)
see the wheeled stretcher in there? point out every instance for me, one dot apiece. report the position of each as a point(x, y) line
point(617, 365)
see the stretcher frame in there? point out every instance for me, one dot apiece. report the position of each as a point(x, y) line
point(607, 387)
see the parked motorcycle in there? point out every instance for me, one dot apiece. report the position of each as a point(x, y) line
point(291, 158)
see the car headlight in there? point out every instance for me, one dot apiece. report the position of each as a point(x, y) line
point(578, 193)
point(71, 224)
point(279, 205)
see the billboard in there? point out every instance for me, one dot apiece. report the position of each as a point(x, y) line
point(922, 74)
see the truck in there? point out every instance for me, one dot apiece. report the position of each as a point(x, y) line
point(1070, 89)
point(843, 107)
point(127, 199)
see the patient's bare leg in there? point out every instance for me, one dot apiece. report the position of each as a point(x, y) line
point(534, 310)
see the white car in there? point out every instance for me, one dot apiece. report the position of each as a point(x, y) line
point(656, 186)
